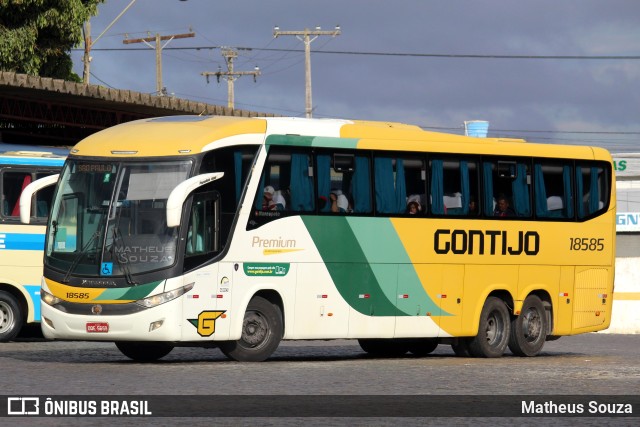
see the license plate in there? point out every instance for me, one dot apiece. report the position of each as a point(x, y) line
point(93, 327)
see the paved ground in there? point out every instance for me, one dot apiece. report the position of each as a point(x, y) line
point(590, 365)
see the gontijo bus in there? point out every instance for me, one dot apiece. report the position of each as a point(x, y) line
point(240, 232)
point(21, 245)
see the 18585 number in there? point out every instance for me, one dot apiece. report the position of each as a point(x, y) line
point(585, 244)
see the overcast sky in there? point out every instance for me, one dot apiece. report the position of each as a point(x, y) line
point(594, 101)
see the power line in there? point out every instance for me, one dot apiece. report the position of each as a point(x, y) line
point(405, 54)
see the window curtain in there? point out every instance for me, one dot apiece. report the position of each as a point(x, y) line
point(324, 179)
point(520, 191)
point(391, 188)
point(568, 197)
point(237, 163)
point(360, 185)
point(385, 187)
point(401, 188)
point(594, 193)
point(260, 194)
point(437, 187)
point(301, 184)
point(540, 192)
point(487, 173)
point(580, 191)
point(464, 183)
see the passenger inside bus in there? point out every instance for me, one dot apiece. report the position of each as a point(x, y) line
point(413, 208)
point(339, 202)
point(272, 200)
point(502, 207)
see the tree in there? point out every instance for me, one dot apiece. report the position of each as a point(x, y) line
point(36, 36)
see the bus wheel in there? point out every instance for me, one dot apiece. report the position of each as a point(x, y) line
point(384, 347)
point(423, 346)
point(11, 318)
point(144, 351)
point(529, 329)
point(461, 347)
point(493, 331)
point(262, 330)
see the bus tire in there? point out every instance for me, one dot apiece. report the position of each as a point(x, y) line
point(529, 329)
point(493, 330)
point(461, 347)
point(11, 317)
point(262, 330)
point(422, 346)
point(382, 347)
point(144, 351)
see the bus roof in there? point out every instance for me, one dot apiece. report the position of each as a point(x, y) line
point(186, 135)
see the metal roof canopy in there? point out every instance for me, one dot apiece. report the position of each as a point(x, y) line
point(45, 111)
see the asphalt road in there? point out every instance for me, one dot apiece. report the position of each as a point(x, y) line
point(589, 365)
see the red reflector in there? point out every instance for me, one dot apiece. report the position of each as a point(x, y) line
point(195, 296)
point(219, 296)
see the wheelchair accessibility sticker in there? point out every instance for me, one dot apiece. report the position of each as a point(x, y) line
point(106, 269)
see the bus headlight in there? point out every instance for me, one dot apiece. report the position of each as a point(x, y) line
point(49, 299)
point(158, 299)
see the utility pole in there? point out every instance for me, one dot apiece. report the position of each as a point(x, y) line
point(88, 43)
point(158, 47)
point(231, 75)
point(305, 37)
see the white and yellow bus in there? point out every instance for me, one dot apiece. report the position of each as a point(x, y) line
point(240, 232)
point(21, 245)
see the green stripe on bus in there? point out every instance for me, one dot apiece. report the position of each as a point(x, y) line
point(383, 247)
point(129, 294)
point(363, 256)
point(312, 141)
point(348, 266)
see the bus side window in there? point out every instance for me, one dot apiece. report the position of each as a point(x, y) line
point(454, 185)
point(12, 185)
point(592, 187)
point(203, 229)
point(510, 179)
point(344, 172)
point(553, 190)
point(399, 183)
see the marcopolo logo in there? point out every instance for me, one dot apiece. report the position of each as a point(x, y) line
point(266, 269)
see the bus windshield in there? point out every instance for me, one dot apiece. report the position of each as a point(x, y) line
point(109, 218)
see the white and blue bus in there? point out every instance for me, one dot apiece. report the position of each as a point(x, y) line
point(21, 245)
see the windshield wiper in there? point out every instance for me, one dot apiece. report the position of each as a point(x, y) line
point(81, 255)
point(117, 236)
